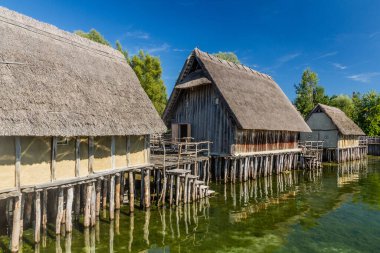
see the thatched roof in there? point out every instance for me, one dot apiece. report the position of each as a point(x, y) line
point(344, 124)
point(55, 83)
point(254, 99)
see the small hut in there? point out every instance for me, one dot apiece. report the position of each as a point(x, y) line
point(244, 113)
point(71, 110)
point(340, 135)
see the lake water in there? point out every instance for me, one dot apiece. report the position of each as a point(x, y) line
point(336, 209)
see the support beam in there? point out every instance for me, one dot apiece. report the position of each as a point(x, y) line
point(16, 224)
point(69, 209)
point(37, 223)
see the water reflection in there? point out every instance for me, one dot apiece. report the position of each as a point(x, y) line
point(258, 215)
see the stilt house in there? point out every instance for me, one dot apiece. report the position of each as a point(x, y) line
point(241, 111)
point(340, 135)
point(70, 109)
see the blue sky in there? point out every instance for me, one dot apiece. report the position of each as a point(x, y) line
point(339, 39)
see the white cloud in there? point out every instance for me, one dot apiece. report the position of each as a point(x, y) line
point(288, 57)
point(137, 35)
point(157, 48)
point(339, 66)
point(364, 77)
point(327, 55)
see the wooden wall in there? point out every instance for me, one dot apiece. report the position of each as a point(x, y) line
point(347, 141)
point(249, 141)
point(36, 154)
point(205, 111)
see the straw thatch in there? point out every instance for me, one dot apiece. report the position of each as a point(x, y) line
point(253, 98)
point(344, 124)
point(55, 83)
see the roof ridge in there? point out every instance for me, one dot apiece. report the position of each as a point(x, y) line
point(234, 65)
point(14, 18)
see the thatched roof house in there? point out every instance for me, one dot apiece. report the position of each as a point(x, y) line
point(55, 83)
point(69, 107)
point(340, 135)
point(247, 99)
point(342, 122)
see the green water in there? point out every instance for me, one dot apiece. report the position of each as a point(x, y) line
point(332, 210)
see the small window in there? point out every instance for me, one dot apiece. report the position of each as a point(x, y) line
point(62, 141)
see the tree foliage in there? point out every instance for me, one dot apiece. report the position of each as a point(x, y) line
point(345, 103)
point(228, 56)
point(364, 109)
point(309, 93)
point(93, 35)
point(148, 70)
point(367, 108)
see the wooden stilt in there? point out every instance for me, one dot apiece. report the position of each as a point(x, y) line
point(93, 205)
point(44, 210)
point(147, 188)
point(171, 189)
point(177, 186)
point(112, 197)
point(69, 209)
point(105, 193)
point(59, 212)
point(16, 224)
point(37, 223)
point(98, 198)
point(117, 192)
point(131, 192)
point(87, 206)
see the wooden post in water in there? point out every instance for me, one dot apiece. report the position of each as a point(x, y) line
point(59, 212)
point(117, 192)
point(105, 193)
point(87, 206)
point(16, 224)
point(98, 190)
point(147, 188)
point(177, 186)
point(112, 197)
point(93, 205)
point(69, 209)
point(131, 192)
point(44, 209)
point(37, 224)
point(171, 189)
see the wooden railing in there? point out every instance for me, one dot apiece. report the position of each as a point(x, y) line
point(373, 140)
point(311, 145)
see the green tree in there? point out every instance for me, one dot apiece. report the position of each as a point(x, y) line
point(228, 56)
point(368, 112)
point(309, 93)
point(345, 103)
point(93, 35)
point(148, 70)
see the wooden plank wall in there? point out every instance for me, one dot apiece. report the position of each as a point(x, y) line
point(248, 141)
point(209, 119)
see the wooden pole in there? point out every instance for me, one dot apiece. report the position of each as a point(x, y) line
point(131, 192)
point(147, 188)
point(87, 207)
point(44, 210)
point(37, 224)
point(77, 201)
point(16, 224)
point(59, 212)
point(93, 205)
point(171, 189)
point(112, 197)
point(117, 192)
point(105, 193)
point(98, 189)
point(69, 209)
